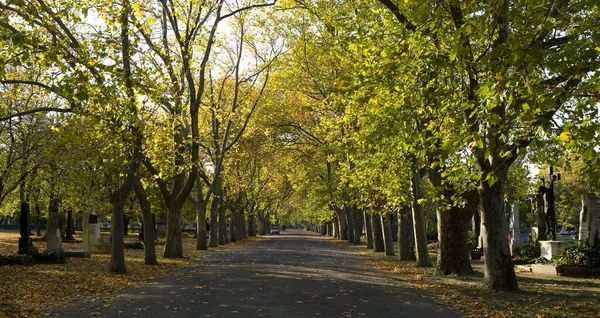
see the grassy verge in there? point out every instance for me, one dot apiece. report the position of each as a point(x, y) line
point(32, 291)
point(539, 296)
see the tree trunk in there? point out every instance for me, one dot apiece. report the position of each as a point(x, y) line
point(386, 224)
point(350, 223)
point(117, 252)
point(453, 226)
point(125, 226)
point(406, 238)
point(222, 223)
point(368, 230)
point(358, 224)
point(499, 269)
point(38, 214)
point(201, 242)
point(343, 228)
point(336, 227)
point(173, 243)
point(251, 225)
point(232, 224)
point(378, 244)
point(147, 224)
point(419, 217)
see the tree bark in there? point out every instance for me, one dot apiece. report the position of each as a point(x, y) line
point(386, 224)
point(453, 252)
point(125, 226)
point(251, 225)
point(201, 242)
point(232, 224)
point(38, 214)
point(173, 243)
point(349, 223)
point(378, 244)
point(368, 230)
point(419, 217)
point(214, 213)
point(499, 269)
point(358, 224)
point(406, 238)
point(342, 224)
point(148, 226)
point(336, 227)
point(222, 223)
point(117, 252)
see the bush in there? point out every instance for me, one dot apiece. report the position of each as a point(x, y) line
point(472, 240)
point(585, 256)
point(527, 254)
point(133, 245)
point(22, 259)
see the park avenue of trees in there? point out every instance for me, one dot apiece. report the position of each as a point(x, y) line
point(339, 114)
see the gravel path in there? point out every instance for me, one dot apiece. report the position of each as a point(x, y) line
point(295, 274)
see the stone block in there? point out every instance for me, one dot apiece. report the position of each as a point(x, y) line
point(551, 249)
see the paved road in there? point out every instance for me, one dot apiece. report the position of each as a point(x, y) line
point(295, 274)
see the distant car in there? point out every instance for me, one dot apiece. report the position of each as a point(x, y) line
point(275, 230)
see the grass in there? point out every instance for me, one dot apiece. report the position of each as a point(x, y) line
point(33, 291)
point(539, 296)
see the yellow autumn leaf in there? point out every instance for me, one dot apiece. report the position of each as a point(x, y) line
point(565, 136)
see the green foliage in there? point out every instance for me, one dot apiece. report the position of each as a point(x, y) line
point(528, 253)
point(584, 256)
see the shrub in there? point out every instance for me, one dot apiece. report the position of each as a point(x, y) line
point(472, 239)
point(133, 245)
point(528, 253)
point(585, 256)
point(22, 259)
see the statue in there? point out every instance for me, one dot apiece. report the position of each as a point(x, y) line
point(548, 192)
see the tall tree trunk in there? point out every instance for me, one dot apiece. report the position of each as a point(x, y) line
point(214, 213)
point(419, 217)
point(453, 226)
point(386, 224)
point(499, 269)
point(343, 225)
point(251, 225)
point(201, 242)
point(378, 244)
point(350, 223)
point(148, 225)
point(125, 225)
point(358, 224)
point(232, 224)
point(117, 252)
point(38, 214)
point(336, 227)
point(368, 230)
point(406, 237)
point(222, 223)
point(173, 239)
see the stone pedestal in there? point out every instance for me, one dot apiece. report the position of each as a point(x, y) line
point(588, 220)
point(93, 242)
point(53, 237)
point(551, 249)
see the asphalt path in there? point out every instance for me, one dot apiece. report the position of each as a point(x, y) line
point(295, 274)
